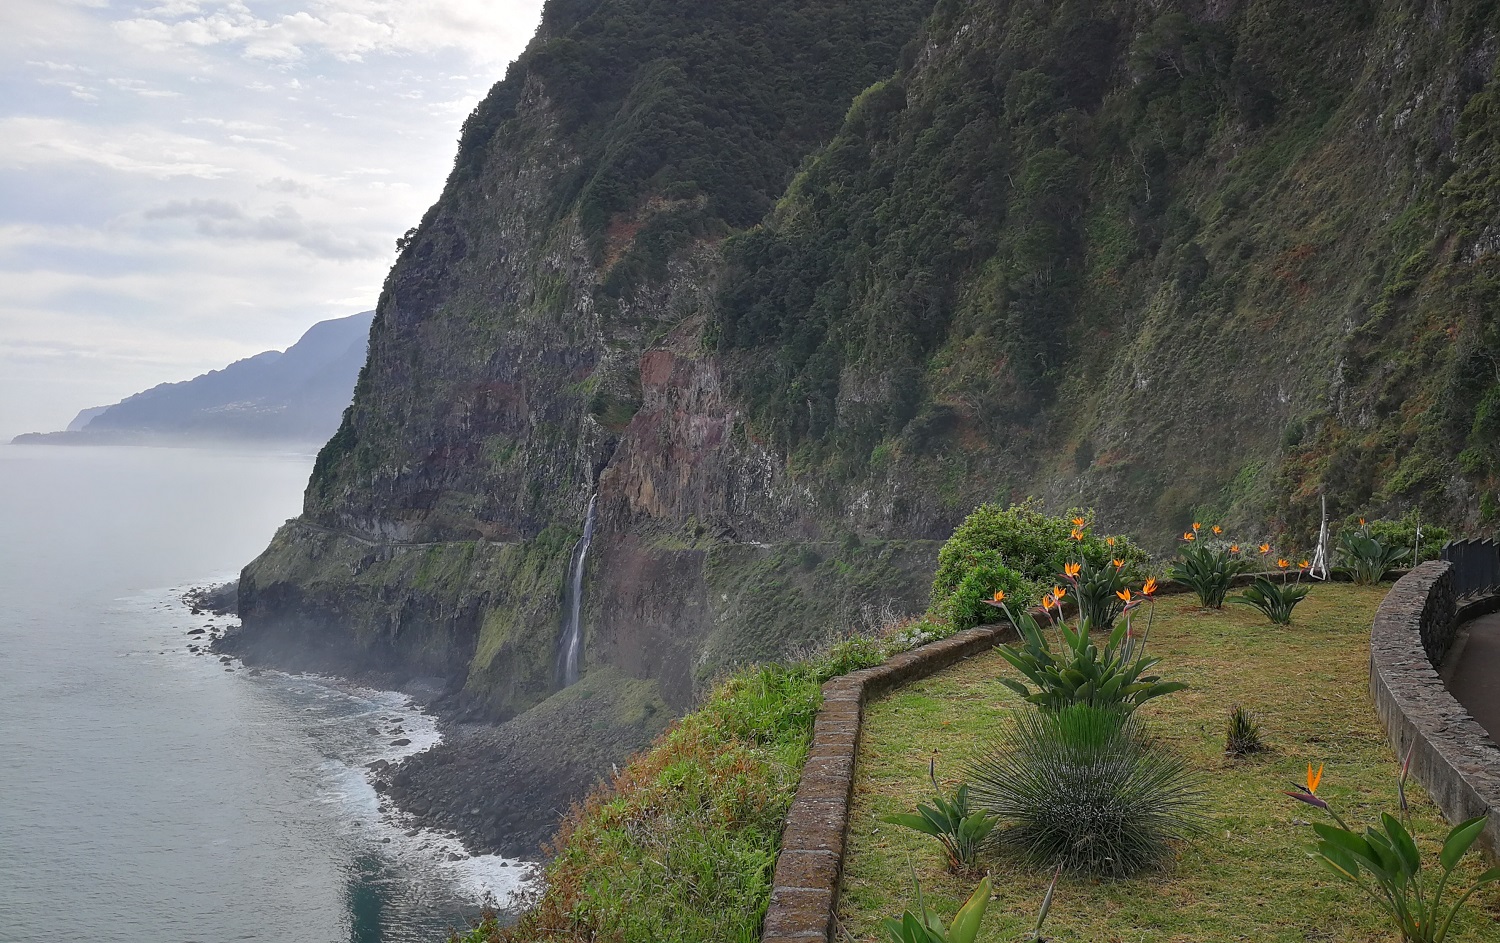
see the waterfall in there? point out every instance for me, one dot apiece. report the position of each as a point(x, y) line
point(572, 635)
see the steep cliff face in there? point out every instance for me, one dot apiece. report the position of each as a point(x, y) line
point(1164, 258)
point(539, 340)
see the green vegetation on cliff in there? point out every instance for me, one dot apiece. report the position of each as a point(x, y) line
point(1146, 247)
point(681, 846)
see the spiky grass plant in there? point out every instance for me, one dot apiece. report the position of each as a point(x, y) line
point(1085, 788)
point(1242, 735)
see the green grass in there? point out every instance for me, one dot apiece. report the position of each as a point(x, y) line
point(1248, 878)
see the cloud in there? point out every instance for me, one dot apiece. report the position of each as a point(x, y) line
point(219, 219)
point(152, 152)
point(187, 182)
point(347, 30)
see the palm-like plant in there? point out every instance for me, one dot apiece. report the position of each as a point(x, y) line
point(1277, 602)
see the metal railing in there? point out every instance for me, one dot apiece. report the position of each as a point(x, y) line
point(1476, 566)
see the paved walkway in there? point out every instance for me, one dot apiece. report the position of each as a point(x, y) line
point(1476, 677)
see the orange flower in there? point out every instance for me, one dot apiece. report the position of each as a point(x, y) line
point(1189, 535)
point(1283, 563)
point(1124, 595)
point(1078, 522)
point(1234, 548)
point(1303, 565)
point(1071, 570)
point(999, 595)
point(1150, 586)
point(1046, 603)
point(1058, 593)
point(1361, 522)
point(1196, 525)
point(1109, 541)
point(1313, 779)
point(1265, 548)
point(1217, 530)
point(1077, 534)
point(1118, 562)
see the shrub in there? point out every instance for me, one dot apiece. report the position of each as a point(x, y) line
point(1019, 550)
point(1277, 602)
point(1208, 570)
point(1366, 558)
point(1085, 789)
point(958, 828)
point(1386, 865)
point(1402, 532)
point(1243, 734)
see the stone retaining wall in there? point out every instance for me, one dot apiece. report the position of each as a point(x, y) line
point(805, 890)
point(1452, 756)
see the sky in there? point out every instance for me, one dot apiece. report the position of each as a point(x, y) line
point(190, 182)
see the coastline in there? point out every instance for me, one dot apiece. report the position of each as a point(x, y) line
point(500, 788)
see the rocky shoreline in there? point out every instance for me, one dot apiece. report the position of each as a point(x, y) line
point(501, 788)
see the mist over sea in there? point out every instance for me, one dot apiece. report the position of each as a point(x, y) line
point(149, 795)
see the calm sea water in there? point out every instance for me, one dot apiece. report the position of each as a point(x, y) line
point(147, 795)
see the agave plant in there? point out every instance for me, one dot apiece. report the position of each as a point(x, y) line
point(958, 828)
point(1114, 676)
point(1277, 602)
point(1366, 559)
point(1086, 789)
point(1208, 570)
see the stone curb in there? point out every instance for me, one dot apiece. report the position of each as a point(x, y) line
point(1452, 756)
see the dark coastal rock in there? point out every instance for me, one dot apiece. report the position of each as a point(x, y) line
point(221, 600)
point(195, 631)
point(403, 742)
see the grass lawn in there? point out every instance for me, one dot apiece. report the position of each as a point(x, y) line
point(1248, 877)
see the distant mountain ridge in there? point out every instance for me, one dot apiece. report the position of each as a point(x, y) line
point(277, 397)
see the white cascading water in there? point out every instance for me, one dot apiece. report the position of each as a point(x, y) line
point(572, 635)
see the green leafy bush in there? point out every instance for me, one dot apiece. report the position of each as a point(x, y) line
point(1208, 569)
point(1020, 550)
point(1402, 532)
point(958, 828)
point(1113, 677)
point(1085, 788)
point(924, 926)
point(1366, 558)
point(1277, 602)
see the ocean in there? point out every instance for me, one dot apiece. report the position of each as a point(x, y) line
point(149, 794)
